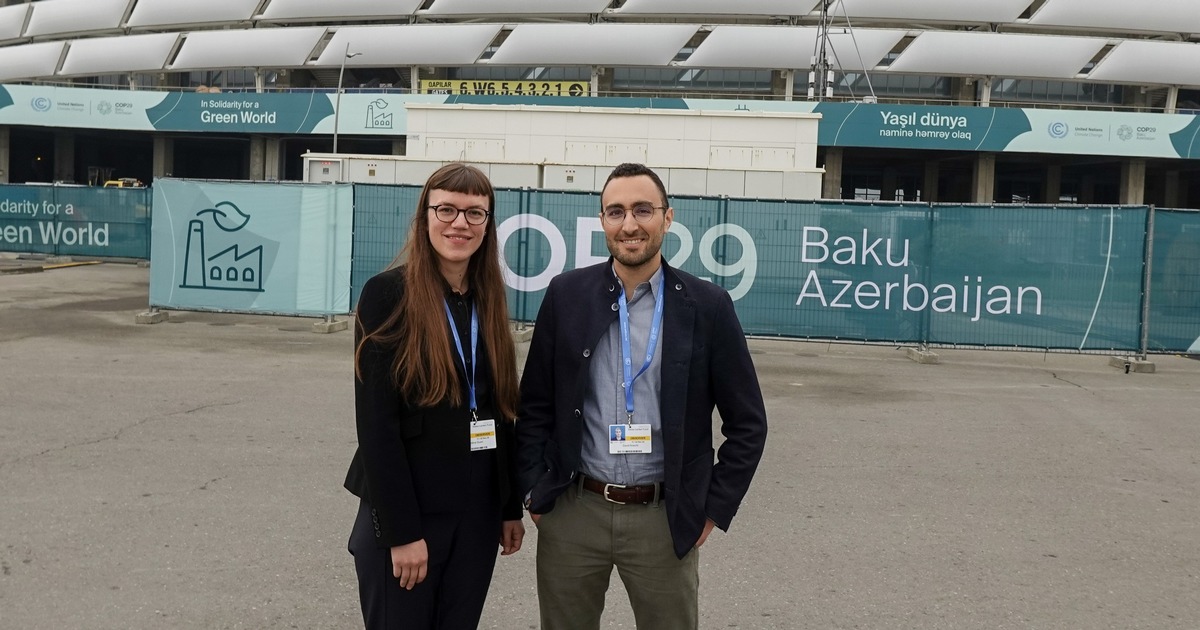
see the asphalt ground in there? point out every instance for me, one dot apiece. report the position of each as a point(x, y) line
point(188, 475)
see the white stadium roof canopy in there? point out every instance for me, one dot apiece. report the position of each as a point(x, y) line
point(965, 53)
point(716, 7)
point(593, 44)
point(12, 20)
point(107, 55)
point(959, 11)
point(515, 7)
point(790, 47)
point(1108, 41)
point(159, 13)
point(409, 44)
point(259, 48)
point(312, 10)
point(30, 60)
point(1164, 63)
point(1164, 16)
point(63, 17)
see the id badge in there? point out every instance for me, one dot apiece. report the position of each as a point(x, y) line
point(483, 435)
point(628, 438)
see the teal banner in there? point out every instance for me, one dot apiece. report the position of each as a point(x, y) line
point(1175, 282)
point(917, 127)
point(243, 112)
point(75, 221)
point(1012, 276)
point(277, 248)
point(945, 128)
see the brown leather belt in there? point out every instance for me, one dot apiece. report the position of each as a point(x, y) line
point(638, 495)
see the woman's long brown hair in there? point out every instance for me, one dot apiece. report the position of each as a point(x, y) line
point(424, 367)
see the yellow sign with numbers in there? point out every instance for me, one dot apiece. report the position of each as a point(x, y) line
point(506, 88)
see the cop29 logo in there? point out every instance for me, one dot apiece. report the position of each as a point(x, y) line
point(1058, 129)
point(41, 104)
point(745, 267)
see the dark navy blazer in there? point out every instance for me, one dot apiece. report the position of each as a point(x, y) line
point(705, 364)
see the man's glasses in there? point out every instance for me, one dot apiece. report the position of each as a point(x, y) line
point(447, 213)
point(642, 213)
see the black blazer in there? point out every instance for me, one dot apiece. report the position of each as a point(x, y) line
point(413, 460)
point(705, 364)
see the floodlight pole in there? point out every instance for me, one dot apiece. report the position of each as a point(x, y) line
point(337, 106)
point(820, 76)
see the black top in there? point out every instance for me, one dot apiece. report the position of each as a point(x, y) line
point(414, 460)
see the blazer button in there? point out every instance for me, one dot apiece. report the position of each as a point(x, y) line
point(378, 535)
point(615, 307)
point(678, 287)
point(612, 287)
point(578, 413)
point(587, 352)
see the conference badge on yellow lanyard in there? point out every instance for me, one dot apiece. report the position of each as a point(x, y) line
point(483, 432)
point(629, 438)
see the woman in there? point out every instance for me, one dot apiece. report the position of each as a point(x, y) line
point(435, 398)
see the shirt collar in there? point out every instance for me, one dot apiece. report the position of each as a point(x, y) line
point(654, 280)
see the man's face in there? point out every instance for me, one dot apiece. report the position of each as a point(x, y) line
point(631, 243)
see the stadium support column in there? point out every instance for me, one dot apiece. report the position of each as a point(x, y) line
point(1087, 189)
point(983, 181)
point(1171, 190)
point(5, 154)
point(887, 191)
point(831, 183)
point(1052, 188)
point(929, 193)
point(258, 158)
point(1133, 181)
point(164, 156)
point(64, 155)
point(272, 160)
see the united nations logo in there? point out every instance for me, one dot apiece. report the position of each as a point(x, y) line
point(104, 107)
point(1058, 129)
point(1124, 132)
point(41, 104)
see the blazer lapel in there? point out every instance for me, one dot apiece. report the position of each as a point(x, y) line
point(679, 319)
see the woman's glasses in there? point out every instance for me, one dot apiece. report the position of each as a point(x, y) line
point(447, 213)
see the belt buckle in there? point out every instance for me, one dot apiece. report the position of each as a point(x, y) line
point(608, 486)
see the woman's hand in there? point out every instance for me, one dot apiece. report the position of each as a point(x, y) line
point(410, 563)
point(511, 535)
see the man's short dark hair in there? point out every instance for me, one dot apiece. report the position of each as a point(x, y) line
point(631, 169)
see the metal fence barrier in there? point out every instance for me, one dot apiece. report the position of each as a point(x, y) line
point(1046, 277)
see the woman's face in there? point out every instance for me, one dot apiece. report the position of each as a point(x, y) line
point(457, 240)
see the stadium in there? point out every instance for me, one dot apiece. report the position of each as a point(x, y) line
point(1038, 101)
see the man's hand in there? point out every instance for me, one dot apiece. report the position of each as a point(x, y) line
point(708, 527)
point(535, 518)
point(511, 535)
point(410, 563)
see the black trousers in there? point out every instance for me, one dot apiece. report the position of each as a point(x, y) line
point(462, 556)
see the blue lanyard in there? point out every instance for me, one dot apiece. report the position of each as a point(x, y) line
point(651, 345)
point(458, 344)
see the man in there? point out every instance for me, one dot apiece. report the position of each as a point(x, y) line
point(636, 345)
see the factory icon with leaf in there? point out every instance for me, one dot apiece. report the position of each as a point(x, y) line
point(230, 266)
